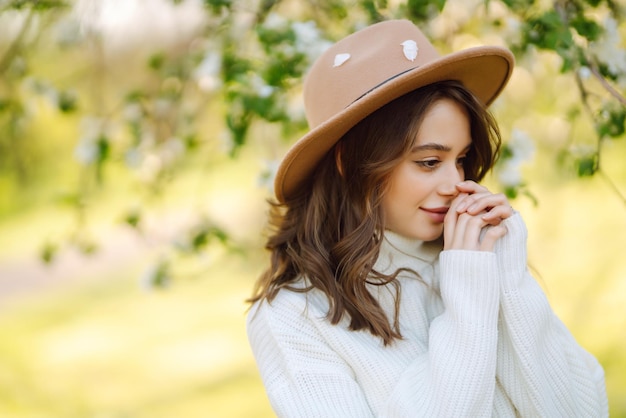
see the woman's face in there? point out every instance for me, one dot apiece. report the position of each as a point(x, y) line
point(423, 185)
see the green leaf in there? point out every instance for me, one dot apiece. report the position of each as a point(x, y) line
point(586, 27)
point(158, 275)
point(5, 104)
point(132, 218)
point(548, 32)
point(104, 148)
point(220, 234)
point(86, 246)
point(38, 5)
point(594, 3)
point(238, 126)
point(271, 38)
point(156, 61)
point(518, 6)
point(191, 142)
point(371, 8)
point(233, 67)
point(424, 9)
point(216, 6)
point(48, 252)
point(587, 166)
point(67, 102)
point(199, 239)
point(612, 121)
point(506, 152)
point(201, 236)
point(510, 192)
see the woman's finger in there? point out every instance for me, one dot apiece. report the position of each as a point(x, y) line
point(470, 187)
point(484, 202)
point(493, 234)
point(498, 213)
point(470, 200)
point(471, 234)
point(466, 233)
point(450, 221)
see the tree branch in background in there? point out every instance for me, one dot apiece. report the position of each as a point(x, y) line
point(14, 47)
point(607, 86)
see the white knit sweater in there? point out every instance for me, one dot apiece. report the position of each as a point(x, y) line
point(480, 340)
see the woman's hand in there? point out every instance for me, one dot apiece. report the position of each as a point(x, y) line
point(475, 209)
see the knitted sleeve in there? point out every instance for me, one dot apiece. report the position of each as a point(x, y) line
point(302, 375)
point(454, 376)
point(540, 365)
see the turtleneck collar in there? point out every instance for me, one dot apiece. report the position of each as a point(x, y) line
point(426, 251)
point(400, 252)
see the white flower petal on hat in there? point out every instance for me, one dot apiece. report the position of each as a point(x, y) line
point(410, 49)
point(340, 59)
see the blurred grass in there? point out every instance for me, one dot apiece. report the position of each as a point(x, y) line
point(105, 347)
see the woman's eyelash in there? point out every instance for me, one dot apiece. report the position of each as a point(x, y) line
point(431, 164)
point(427, 163)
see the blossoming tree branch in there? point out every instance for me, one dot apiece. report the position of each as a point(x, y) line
point(147, 82)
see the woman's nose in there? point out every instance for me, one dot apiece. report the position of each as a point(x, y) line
point(450, 179)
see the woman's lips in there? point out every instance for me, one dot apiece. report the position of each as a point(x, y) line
point(436, 214)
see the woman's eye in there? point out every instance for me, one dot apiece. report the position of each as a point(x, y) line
point(428, 163)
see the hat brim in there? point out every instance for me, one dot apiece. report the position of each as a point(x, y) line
point(483, 70)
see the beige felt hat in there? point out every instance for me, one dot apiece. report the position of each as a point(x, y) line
point(370, 68)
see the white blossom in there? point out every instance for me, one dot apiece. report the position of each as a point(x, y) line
point(133, 157)
point(207, 74)
point(171, 150)
point(522, 145)
point(521, 148)
point(67, 32)
point(87, 150)
point(125, 25)
point(132, 112)
point(274, 21)
point(268, 174)
point(584, 72)
point(608, 48)
point(309, 40)
point(162, 107)
point(261, 88)
point(151, 166)
point(512, 31)
point(582, 150)
point(510, 173)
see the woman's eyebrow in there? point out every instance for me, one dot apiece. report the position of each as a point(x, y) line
point(432, 146)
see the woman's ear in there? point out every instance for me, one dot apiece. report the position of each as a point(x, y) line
point(338, 161)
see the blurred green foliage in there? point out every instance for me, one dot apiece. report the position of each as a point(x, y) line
point(241, 67)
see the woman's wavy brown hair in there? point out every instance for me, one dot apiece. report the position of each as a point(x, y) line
point(330, 231)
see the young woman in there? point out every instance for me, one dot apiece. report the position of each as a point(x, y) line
point(398, 285)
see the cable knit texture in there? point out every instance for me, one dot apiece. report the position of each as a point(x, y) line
point(479, 340)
